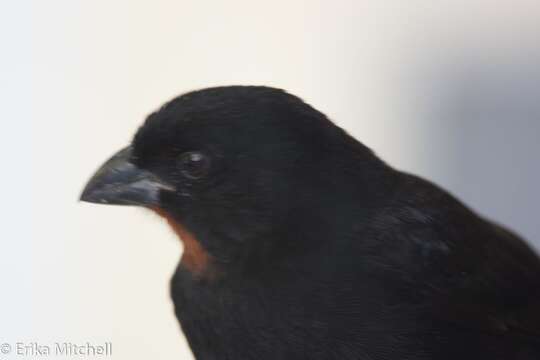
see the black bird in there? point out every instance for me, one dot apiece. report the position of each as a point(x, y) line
point(300, 243)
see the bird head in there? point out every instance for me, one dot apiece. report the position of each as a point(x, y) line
point(236, 171)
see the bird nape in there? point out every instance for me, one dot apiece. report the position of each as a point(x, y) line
point(300, 243)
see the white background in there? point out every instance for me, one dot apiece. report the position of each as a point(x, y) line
point(448, 90)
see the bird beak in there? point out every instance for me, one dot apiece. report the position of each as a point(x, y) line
point(120, 182)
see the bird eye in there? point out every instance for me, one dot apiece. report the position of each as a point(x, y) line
point(194, 164)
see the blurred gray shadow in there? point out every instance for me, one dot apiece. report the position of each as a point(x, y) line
point(489, 108)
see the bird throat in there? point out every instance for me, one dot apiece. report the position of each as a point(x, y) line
point(194, 258)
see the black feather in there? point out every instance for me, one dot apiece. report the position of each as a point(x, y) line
point(319, 250)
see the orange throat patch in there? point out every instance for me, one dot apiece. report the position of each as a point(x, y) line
point(194, 258)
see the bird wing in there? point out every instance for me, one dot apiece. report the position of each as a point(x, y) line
point(475, 276)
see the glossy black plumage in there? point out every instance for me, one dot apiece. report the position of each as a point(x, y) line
point(316, 249)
